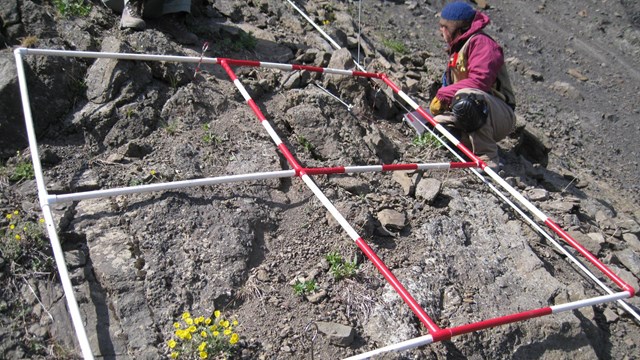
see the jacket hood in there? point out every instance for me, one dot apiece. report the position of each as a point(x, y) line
point(479, 22)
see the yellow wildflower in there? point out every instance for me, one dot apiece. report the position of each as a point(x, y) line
point(172, 343)
point(213, 328)
point(203, 355)
point(18, 237)
point(12, 226)
point(176, 325)
point(185, 315)
point(9, 216)
point(41, 221)
point(226, 324)
point(203, 334)
point(189, 321)
point(234, 339)
point(216, 333)
point(235, 322)
point(227, 332)
point(192, 329)
point(216, 313)
point(202, 346)
point(174, 355)
point(199, 320)
point(153, 172)
point(207, 321)
point(15, 212)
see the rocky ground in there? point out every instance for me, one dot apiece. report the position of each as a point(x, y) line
point(265, 252)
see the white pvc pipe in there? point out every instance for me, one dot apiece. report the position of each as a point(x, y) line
point(121, 56)
point(58, 254)
point(168, 186)
point(332, 209)
point(589, 302)
point(401, 346)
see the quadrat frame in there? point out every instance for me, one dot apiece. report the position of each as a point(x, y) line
point(474, 164)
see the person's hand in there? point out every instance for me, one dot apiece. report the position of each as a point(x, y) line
point(436, 107)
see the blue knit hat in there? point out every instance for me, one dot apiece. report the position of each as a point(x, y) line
point(458, 11)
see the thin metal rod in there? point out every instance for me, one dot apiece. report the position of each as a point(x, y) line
point(324, 34)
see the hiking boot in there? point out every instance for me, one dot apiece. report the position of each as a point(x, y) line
point(175, 25)
point(132, 16)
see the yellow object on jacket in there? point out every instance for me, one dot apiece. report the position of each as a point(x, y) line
point(436, 107)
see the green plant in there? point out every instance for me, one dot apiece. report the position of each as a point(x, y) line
point(427, 139)
point(173, 81)
point(340, 268)
point(170, 127)
point(22, 171)
point(304, 287)
point(247, 41)
point(395, 45)
point(203, 337)
point(23, 244)
point(209, 137)
point(129, 112)
point(242, 41)
point(72, 7)
point(305, 144)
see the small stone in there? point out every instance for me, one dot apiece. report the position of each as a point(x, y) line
point(629, 259)
point(392, 220)
point(262, 275)
point(577, 74)
point(428, 189)
point(535, 75)
point(317, 296)
point(340, 335)
point(610, 315)
point(538, 194)
point(631, 240)
point(405, 180)
point(75, 258)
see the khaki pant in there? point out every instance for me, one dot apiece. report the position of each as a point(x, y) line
point(501, 121)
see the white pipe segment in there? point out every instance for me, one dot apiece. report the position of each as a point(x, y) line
point(589, 302)
point(168, 186)
point(279, 66)
point(332, 209)
point(243, 91)
point(362, 169)
point(274, 136)
point(58, 254)
point(120, 56)
point(401, 346)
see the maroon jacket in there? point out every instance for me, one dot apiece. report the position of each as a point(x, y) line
point(484, 60)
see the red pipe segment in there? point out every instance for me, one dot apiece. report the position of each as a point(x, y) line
point(397, 286)
point(446, 334)
point(597, 263)
point(224, 63)
point(256, 110)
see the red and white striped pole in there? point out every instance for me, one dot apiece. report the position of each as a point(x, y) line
point(526, 203)
point(393, 281)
